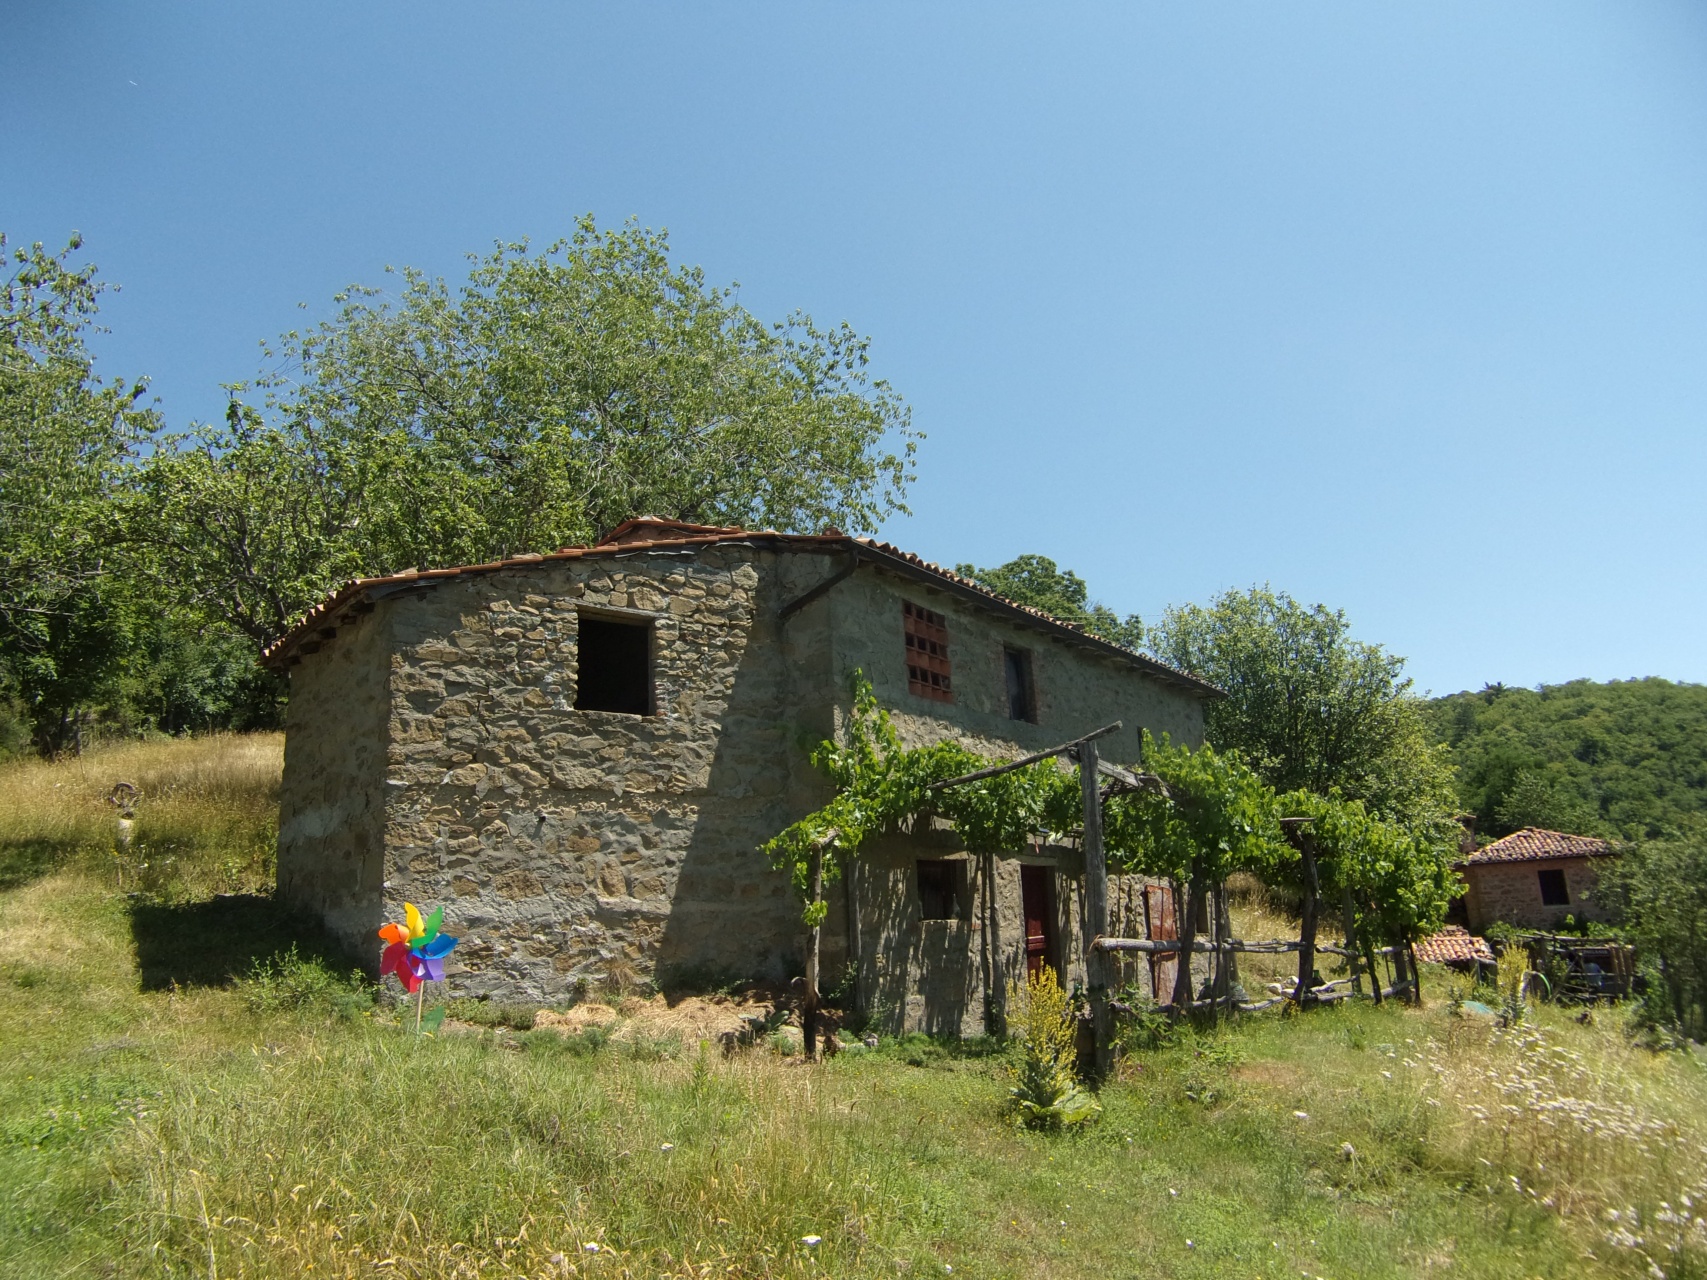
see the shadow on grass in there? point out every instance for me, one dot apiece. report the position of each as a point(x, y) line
point(25, 861)
point(213, 943)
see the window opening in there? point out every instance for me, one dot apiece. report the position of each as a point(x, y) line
point(614, 666)
point(1022, 698)
point(927, 652)
point(1554, 891)
point(942, 884)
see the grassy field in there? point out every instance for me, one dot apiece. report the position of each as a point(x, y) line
point(164, 1112)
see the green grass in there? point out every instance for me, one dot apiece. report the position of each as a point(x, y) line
point(241, 1110)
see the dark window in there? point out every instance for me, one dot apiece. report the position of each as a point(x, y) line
point(927, 652)
point(1554, 892)
point(614, 666)
point(942, 882)
point(1022, 698)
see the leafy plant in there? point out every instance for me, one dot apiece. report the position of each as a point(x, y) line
point(1511, 980)
point(1046, 1092)
point(292, 983)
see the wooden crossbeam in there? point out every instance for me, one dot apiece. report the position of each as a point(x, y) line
point(995, 771)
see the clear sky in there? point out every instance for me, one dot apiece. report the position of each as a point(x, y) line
point(1402, 308)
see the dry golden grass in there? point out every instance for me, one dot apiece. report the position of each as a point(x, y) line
point(206, 814)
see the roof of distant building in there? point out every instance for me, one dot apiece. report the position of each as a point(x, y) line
point(1533, 844)
point(650, 533)
point(1453, 944)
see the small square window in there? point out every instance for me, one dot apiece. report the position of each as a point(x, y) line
point(614, 666)
point(1022, 696)
point(926, 635)
point(942, 886)
point(1554, 891)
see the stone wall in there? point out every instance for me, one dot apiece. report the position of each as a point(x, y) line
point(1511, 892)
point(582, 846)
point(1077, 690)
point(573, 847)
point(332, 799)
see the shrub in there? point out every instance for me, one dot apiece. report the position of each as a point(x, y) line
point(289, 983)
point(1046, 1092)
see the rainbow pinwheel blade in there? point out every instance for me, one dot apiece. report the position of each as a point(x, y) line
point(433, 969)
point(431, 929)
point(393, 959)
point(437, 948)
point(393, 932)
point(412, 918)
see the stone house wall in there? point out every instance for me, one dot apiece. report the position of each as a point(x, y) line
point(331, 846)
point(435, 755)
point(1510, 892)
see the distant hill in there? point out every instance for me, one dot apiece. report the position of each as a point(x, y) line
point(1625, 759)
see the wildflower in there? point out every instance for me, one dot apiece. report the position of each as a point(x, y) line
point(811, 1242)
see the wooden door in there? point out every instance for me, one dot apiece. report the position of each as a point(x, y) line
point(1037, 897)
point(1161, 924)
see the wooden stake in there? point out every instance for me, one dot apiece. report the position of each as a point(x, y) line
point(420, 998)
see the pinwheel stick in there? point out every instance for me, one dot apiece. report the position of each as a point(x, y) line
point(420, 998)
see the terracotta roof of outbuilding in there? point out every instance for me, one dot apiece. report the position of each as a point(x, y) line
point(649, 533)
point(1533, 844)
point(1455, 944)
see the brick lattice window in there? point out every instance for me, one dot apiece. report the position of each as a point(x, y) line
point(927, 652)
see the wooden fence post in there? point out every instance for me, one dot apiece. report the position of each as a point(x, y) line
point(1096, 908)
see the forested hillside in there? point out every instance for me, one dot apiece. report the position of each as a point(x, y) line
point(1625, 759)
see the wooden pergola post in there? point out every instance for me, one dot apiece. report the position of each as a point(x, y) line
point(1097, 962)
point(809, 1003)
point(1307, 928)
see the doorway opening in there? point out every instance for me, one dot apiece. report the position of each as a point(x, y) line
point(1037, 900)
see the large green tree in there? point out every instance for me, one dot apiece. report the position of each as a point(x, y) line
point(550, 396)
point(1037, 581)
point(1627, 758)
point(1658, 891)
point(1308, 706)
point(65, 436)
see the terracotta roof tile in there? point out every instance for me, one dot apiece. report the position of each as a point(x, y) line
point(1454, 943)
point(1533, 844)
point(649, 533)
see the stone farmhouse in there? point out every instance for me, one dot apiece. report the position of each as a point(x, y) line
point(578, 754)
point(1533, 879)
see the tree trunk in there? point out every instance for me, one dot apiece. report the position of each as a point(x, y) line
point(1183, 989)
point(1351, 960)
point(1375, 983)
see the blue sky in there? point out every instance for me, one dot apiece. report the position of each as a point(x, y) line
point(1399, 308)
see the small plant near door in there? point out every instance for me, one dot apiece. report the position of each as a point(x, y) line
point(1046, 1092)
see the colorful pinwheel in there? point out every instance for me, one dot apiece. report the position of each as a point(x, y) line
point(417, 949)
